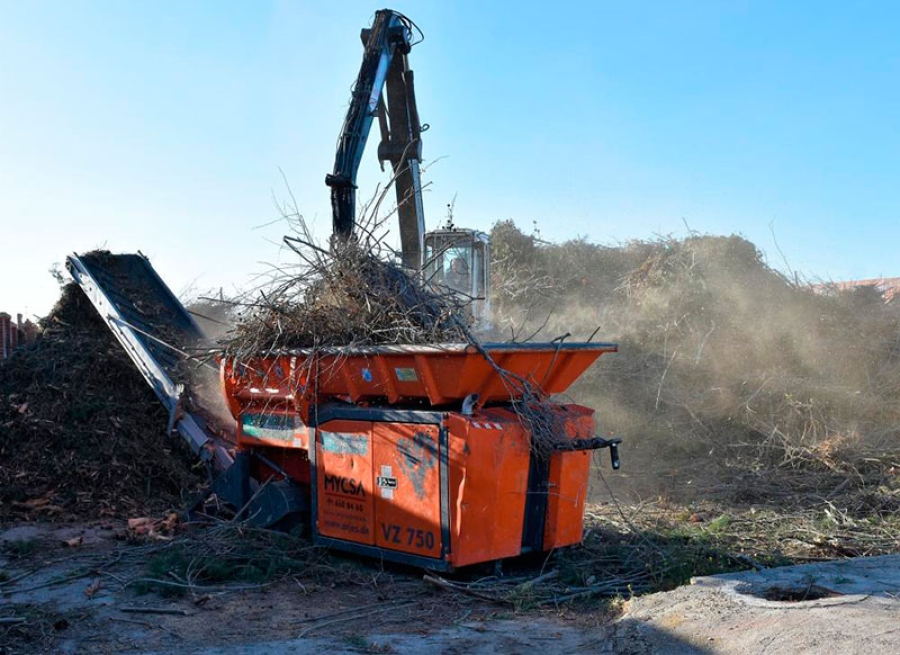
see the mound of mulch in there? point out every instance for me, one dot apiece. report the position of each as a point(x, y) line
point(81, 433)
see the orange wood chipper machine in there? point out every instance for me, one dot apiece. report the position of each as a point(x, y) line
point(414, 453)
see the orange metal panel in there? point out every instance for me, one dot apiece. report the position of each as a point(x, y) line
point(568, 490)
point(568, 483)
point(489, 455)
point(440, 373)
point(406, 462)
point(344, 482)
point(367, 380)
point(426, 371)
point(384, 375)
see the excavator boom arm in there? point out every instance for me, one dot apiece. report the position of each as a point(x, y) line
point(384, 68)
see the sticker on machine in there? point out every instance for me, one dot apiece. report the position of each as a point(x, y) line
point(386, 482)
point(345, 443)
point(406, 374)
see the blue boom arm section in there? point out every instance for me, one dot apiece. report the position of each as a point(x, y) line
point(384, 68)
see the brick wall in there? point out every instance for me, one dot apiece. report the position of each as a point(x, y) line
point(6, 336)
point(14, 333)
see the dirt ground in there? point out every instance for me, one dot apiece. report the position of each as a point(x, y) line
point(87, 598)
point(76, 589)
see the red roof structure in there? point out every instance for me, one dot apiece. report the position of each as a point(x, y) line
point(888, 287)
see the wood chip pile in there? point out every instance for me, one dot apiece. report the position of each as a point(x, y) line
point(81, 433)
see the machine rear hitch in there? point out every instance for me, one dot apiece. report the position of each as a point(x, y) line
point(595, 443)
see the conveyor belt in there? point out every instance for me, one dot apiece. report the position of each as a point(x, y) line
point(146, 303)
point(154, 328)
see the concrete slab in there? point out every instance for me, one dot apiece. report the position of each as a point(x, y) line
point(851, 606)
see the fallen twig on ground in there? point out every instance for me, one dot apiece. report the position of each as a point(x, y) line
point(354, 616)
point(154, 610)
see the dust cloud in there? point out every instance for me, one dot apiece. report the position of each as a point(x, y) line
point(727, 368)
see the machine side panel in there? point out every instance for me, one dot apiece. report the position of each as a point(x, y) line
point(489, 458)
point(567, 486)
point(568, 491)
point(407, 500)
point(344, 482)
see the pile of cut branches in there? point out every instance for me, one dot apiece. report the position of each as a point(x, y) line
point(728, 367)
point(349, 295)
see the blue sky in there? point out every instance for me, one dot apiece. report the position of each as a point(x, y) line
point(163, 127)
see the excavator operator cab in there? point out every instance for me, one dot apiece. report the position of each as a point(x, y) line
point(459, 260)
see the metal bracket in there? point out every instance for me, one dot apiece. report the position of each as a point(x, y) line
point(595, 443)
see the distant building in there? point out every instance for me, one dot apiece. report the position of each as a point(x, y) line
point(15, 333)
point(888, 287)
